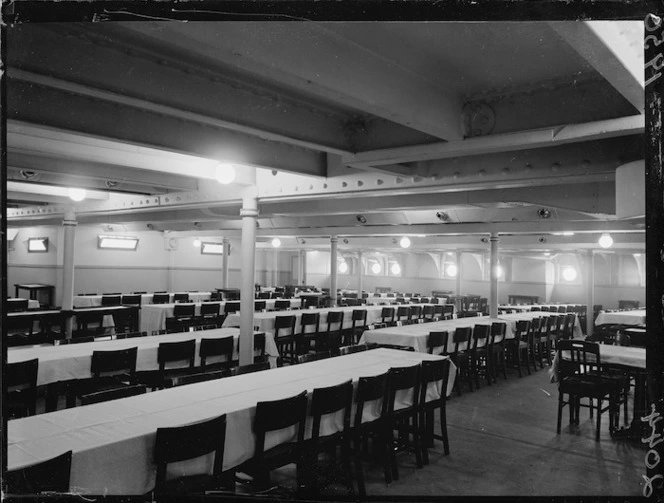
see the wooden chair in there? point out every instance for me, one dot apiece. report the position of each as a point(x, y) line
point(479, 354)
point(518, 348)
point(498, 349)
point(282, 305)
point(358, 326)
point(273, 416)
point(231, 307)
point(196, 378)
point(581, 375)
point(210, 315)
point(367, 424)
point(403, 315)
point(181, 443)
point(387, 316)
point(132, 300)
point(250, 368)
point(309, 326)
point(404, 419)
point(433, 372)
point(169, 352)
point(461, 356)
point(324, 401)
point(448, 310)
point(437, 339)
point(161, 298)
point(50, 476)
point(180, 297)
point(21, 386)
point(285, 338)
point(111, 300)
point(216, 347)
point(260, 305)
point(330, 339)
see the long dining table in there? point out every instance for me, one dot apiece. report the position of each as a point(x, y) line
point(530, 315)
point(113, 442)
point(264, 321)
point(153, 316)
point(72, 361)
point(416, 334)
point(146, 298)
point(633, 317)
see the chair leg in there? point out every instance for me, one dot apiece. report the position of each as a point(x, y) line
point(443, 430)
point(599, 418)
point(560, 411)
point(359, 472)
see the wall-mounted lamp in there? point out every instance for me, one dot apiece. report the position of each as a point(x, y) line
point(225, 173)
point(544, 213)
point(443, 216)
point(405, 242)
point(76, 194)
point(605, 240)
point(276, 242)
point(569, 274)
point(362, 219)
point(451, 270)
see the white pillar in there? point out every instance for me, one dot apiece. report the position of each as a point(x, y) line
point(227, 250)
point(459, 261)
point(275, 267)
point(69, 223)
point(359, 275)
point(590, 291)
point(304, 267)
point(249, 213)
point(493, 264)
point(300, 268)
point(333, 271)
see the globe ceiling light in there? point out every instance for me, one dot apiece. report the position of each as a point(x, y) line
point(376, 268)
point(605, 240)
point(276, 242)
point(225, 173)
point(343, 267)
point(451, 270)
point(569, 274)
point(395, 269)
point(77, 194)
point(405, 242)
point(197, 243)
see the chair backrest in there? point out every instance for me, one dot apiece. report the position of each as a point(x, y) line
point(259, 344)
point(403, 312)
point(161, 298)
point(437, 339)
point(552, 326)
point(415, 312)
point(402, 378)
point(260, 305)
point(184, 311)
point(282, 305)
point(428, 312)
point(180, 297)
point(276, 415)
point(387, 314)
point(359, 315)
point(210, 309)
point(562, 309)
point(286, 323)
point(231, 307)
point(309, 320)
point(480, 333)
point(498, 331)
point(112, 394)
point(189, 442)
point(221, 346)
point(134, 300)
point(461, 336)
point(522, 329)
point(21, 384)
point(369, 389)
point(51, 475)
point(334, 318)
point(439, 311)
point(116, 361)
point(578, 357)
point(568, 329)
point(448, 310)
point(628, 304)
point(330, 400)
point(434, 371)
point(250, 368)
point(16, 305)
point(263, 295)
point(111, 300)
point(176, 351)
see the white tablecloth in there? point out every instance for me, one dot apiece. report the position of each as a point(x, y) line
point(57, 363)
point(416, 335)
point(530, 307)
point(146, 298)
point(529, 315)
point(265, 321)
point(113, 442)
point(635, 317)
point(387, 300)
point(153, 316)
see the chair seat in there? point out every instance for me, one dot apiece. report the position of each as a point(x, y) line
point(592, 386)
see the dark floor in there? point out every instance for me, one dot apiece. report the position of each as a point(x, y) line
point(503, 442)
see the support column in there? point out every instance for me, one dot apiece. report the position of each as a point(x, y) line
point(459, 261)
point(493, 264)
point(590, 291)
point(333, 271)
point(69, 223)
point(275, 267)
point(249, 213)
point(359, 275)
point(227, 250)
point(300, 267)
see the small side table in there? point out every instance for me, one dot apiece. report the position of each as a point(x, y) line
point(34, 289)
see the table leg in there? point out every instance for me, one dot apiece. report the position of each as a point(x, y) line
point(635, 429)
